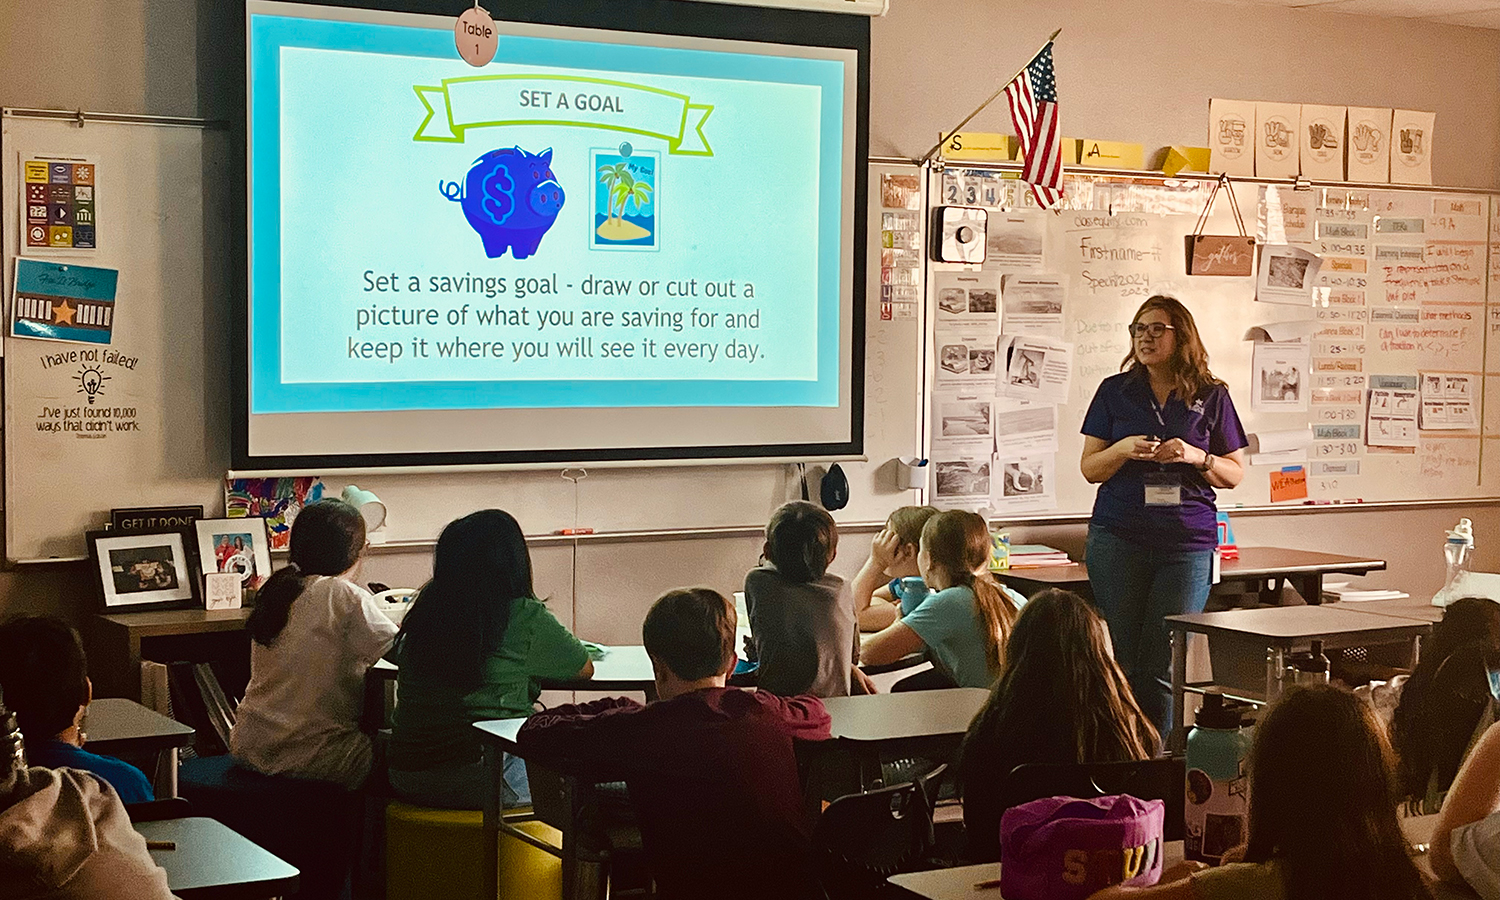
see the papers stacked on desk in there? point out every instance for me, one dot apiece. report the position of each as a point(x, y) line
point(1341, 590)
point(1034, 556)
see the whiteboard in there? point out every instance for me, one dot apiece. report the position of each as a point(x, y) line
point(163, 221)
point(1126, 244)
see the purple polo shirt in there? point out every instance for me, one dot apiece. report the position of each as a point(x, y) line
point(1124, 406)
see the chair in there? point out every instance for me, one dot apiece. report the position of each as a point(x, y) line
point(1152, 779)
point(311, 824)
point(861, 840)
point(437, 853)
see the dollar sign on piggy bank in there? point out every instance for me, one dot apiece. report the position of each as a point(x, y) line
point(511, 199)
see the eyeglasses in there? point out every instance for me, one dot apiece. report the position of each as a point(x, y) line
point(1155, 329)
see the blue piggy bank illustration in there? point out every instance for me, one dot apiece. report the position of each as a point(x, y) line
point(511, 198)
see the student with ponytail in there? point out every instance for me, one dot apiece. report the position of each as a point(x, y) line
point(315, 633)
point(964, 625)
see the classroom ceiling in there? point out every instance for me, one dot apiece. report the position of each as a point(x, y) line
point(1473, 13)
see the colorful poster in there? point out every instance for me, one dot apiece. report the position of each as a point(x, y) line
point(58, 202)
point(277, 500)
point(61, 302)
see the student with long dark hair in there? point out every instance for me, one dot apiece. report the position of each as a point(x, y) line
point(472, 647)
point(315, 634)
point(1446, 704)
point(1060, 698)
point(1322, 812)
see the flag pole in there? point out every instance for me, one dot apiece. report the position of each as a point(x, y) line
point(944, 138)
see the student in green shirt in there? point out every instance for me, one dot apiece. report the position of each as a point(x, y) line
point(471, 648)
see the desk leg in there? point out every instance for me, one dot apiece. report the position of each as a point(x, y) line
point(491, 856)
point(169, 788)
point(1176, 740)
point(1311, 587)
point(1275, 664)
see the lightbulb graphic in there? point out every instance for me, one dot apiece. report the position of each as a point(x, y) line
point(91, 381)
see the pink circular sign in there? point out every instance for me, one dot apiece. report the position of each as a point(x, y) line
point(476, 37)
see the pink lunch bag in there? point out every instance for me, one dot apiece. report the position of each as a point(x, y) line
point(1064, 848)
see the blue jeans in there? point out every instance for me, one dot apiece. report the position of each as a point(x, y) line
point(1135, 587)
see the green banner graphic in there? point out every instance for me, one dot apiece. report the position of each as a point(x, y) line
point(483, 101)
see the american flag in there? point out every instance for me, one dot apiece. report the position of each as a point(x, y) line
point(1033, 111)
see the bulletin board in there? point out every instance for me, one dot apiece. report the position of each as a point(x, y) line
point(1401, 315)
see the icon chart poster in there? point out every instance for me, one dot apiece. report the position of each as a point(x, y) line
point(58, 203)
point(588, 221)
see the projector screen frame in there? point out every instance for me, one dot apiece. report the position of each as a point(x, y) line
point(669, 17)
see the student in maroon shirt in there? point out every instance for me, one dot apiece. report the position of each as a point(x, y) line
point(710, 769)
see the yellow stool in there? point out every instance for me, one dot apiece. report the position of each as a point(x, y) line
point(438, 853)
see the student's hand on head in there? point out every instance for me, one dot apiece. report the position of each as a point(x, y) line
point(884, 547)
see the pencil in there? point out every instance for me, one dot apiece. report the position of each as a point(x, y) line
point(161, 845)
point(986, 885)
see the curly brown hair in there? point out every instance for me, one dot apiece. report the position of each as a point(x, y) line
point(1191, 376)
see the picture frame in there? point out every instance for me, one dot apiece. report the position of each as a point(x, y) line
point(143, 570)
point(241, 545)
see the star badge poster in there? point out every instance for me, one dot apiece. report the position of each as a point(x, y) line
point(63, 302)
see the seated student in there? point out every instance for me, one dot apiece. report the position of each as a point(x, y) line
point(710, 769)
point(315, 634)
point(1466, 842)
point(472, 648)
point(893, 556)
point(964, 624)
point(1322, 812)
point(1060, 698)
point(44, 675)
point(1446, 705)
point(801, 619)
point(64, 835)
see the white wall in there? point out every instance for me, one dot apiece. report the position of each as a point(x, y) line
point(1138, 70)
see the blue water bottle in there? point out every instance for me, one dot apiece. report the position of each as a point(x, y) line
point(1217, 797)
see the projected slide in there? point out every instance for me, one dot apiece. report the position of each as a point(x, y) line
point(581, 223)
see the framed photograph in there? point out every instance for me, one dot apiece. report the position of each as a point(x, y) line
point(147, 570)
point(240, 546)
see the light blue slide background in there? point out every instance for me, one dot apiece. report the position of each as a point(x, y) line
point(350, 191)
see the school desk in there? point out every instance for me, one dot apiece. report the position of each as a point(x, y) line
point(623, 668)
point(119, 727)
point(868, 729)
point(1264, 567)
point(963, 882)
point(1278, 631)
point(210, 861)
point(1410, 608)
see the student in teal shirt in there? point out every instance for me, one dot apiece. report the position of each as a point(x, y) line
point(964, 624)
point(472, 648)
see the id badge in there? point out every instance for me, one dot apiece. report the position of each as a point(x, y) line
point(1163, 489)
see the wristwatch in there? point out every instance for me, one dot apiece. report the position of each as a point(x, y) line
point(1208, 463)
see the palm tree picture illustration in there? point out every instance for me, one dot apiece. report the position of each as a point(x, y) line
point(622, 189)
